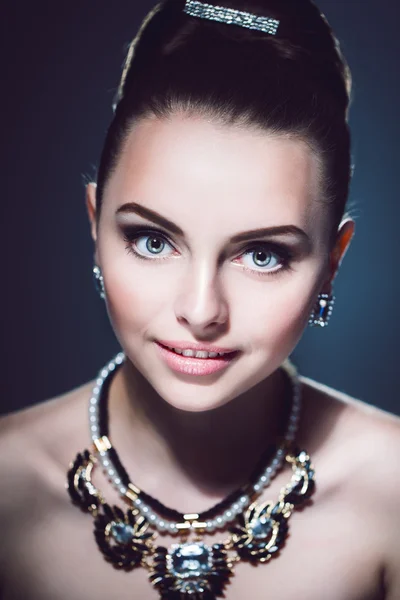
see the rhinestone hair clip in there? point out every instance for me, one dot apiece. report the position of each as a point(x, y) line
point(231, 16)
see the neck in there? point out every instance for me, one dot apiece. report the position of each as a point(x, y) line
point(212, 451)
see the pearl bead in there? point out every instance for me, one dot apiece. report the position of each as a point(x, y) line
point(237, 507)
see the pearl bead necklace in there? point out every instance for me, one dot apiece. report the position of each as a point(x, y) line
point(228, 515)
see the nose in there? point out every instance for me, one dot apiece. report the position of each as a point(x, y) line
point(201, 302)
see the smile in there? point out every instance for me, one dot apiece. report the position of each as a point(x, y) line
point(191, 362)
point(198, 353)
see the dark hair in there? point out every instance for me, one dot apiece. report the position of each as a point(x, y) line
point(296, 82)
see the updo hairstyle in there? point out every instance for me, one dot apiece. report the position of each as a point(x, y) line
point(294, 83)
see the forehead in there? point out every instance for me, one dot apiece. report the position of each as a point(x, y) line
point(190, 168)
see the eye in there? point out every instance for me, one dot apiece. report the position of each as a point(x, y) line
point(146, 244)
point(151, 243)
point(265, 260)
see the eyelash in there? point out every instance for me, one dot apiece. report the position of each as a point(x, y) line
point(285, 255)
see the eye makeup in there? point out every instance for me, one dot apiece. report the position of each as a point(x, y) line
point(166, 224)
point(284, 253)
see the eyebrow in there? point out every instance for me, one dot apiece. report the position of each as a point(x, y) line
point(152, 215)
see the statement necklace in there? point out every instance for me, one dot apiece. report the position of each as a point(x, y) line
point(190, 569)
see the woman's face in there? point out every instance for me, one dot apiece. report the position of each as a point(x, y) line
point(192, 281)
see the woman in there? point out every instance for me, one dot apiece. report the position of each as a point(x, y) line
point(219, 226)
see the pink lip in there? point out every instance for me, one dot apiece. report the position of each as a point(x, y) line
point(194, 366)
point(195, 346)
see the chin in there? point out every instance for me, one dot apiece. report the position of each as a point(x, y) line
point(182, 394)
point(195, 405)
point(199, 393)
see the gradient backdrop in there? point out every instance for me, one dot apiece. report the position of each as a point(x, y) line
point(60, 65)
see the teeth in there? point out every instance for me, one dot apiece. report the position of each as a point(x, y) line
point(198, 354)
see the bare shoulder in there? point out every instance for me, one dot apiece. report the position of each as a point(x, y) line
point(365, 431)
point(360, 446)
point(39, 428)
point(364, 437)
point(35, 450)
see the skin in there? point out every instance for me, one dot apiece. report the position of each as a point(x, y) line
point(201, 176)
point(189, 440)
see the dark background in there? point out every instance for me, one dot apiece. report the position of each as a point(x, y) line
point(60, 65)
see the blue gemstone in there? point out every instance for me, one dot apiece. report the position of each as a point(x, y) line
point(188, 560)
point(122, 533)
point(261, 528)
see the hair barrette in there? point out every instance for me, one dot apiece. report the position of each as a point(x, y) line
point(231, 16)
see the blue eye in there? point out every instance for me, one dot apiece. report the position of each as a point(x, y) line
point(264, 259)
point(153, 244)
point(145, 244)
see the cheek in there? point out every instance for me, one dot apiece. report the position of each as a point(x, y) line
point(278, 315)
point(134, 297)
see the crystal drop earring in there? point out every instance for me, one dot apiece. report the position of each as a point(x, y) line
point(322, 312)
point(99, 281)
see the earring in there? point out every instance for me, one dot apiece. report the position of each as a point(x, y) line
point(99, 281)
point(322, 312)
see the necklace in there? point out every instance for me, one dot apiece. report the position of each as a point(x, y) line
point(172, 521)
point(191, 568)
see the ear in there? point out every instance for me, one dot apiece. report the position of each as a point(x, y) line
point(343, 238)
point(91, 208)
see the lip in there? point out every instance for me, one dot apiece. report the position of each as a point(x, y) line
point(195, 366)
point(195, 346)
